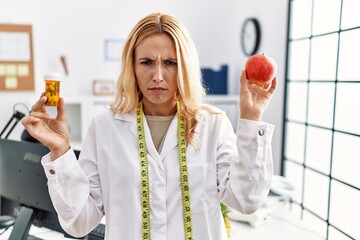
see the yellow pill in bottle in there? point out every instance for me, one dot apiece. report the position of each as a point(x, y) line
point(52, 88)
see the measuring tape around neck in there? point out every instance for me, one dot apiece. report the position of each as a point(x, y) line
point(144, 173)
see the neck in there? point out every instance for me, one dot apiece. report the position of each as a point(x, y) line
point(167, 109)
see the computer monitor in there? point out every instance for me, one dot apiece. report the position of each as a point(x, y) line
point(23, 187)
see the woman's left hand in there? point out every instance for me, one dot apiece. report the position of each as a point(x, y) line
point(254, 99)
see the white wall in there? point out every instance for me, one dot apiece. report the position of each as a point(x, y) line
point(77, 29)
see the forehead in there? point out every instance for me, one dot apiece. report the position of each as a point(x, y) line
point(157, 44)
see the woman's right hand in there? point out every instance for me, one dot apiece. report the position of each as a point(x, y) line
point(50, 131)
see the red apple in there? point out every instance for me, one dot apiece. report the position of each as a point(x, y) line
point(260, 69)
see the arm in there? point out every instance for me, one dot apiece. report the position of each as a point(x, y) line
point(244, 180)
point(245, 169)
point(75, 189)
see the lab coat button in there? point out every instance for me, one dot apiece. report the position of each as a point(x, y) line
point(52, 171)
point(261, 132)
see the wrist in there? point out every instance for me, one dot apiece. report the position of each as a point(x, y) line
point(56, 153)
point(252, 117)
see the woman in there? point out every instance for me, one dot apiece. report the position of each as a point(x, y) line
point(159, 162)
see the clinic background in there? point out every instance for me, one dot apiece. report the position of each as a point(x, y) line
point(78, 30)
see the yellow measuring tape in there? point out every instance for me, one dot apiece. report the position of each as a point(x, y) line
point(144, 172)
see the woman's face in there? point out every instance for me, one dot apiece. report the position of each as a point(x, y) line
point(156, 74)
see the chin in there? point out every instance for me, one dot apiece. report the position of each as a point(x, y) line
point(159, 105)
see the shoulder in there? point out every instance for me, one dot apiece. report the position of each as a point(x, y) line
point(212, 116)
point(213, 125)
point(109, 116)
point(104, 115)
point(208, 111)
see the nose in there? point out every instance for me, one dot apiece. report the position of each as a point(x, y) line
point(158, 74)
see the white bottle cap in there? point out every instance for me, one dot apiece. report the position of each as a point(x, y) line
point(52, 76)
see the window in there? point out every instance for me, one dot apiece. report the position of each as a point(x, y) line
point(321, 152)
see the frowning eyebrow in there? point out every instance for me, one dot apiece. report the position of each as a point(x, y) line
point(154, 59)
point(167, 61)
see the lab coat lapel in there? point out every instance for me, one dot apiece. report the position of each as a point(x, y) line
point(171, 139)
point(151, 150)
point(151, 147)
point(130, 118)
point(170, 143)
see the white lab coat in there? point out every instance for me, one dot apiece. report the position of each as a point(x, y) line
point(229, 168)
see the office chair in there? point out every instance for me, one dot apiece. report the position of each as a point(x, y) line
point(8, 221)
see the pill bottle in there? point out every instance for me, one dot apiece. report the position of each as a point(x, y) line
point(52, 88)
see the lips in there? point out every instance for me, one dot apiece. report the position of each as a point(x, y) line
point(157, 89)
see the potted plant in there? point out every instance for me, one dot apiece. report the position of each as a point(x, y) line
point(225, 210)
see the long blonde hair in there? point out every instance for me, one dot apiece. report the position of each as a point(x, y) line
point(190, 89)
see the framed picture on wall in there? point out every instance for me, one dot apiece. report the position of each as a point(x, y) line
point(113, 49)
point(16, 58)
point(103, 87)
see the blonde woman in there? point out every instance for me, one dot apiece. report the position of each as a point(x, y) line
point(159, 162)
